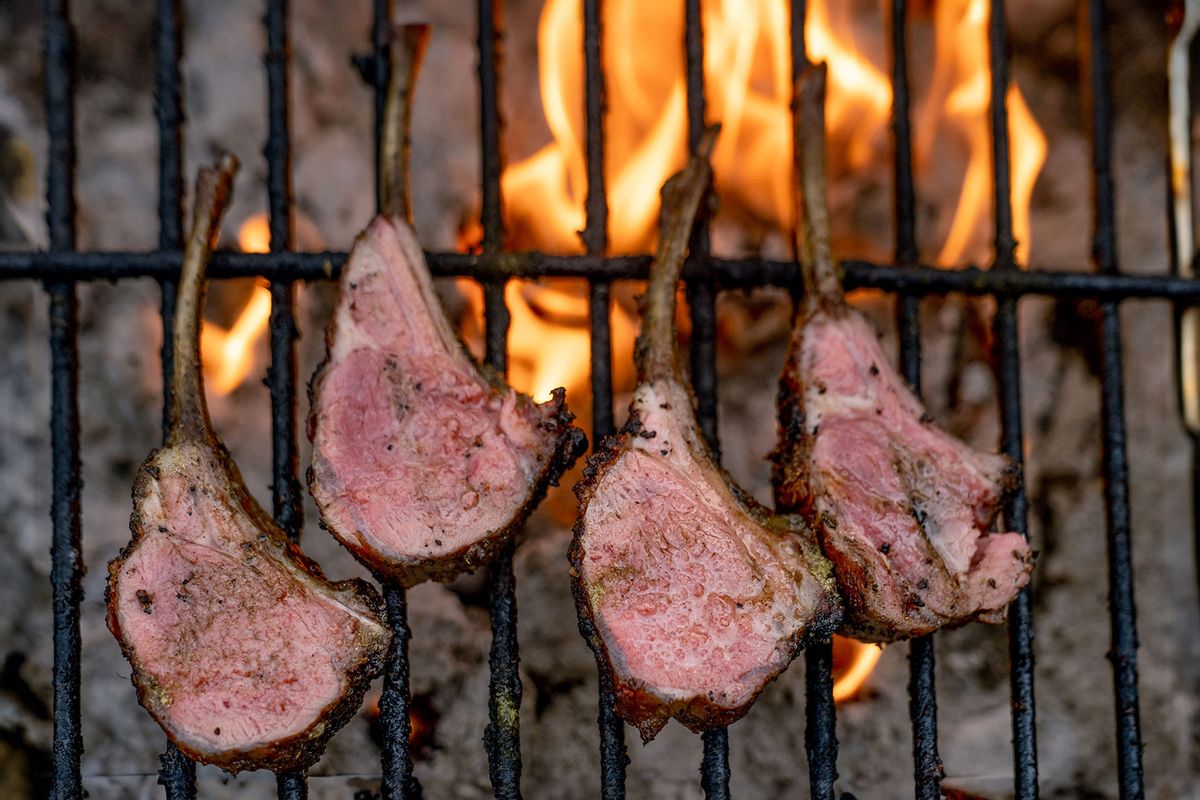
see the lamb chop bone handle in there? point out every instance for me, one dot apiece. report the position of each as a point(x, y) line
point(681, 196)
point(822, 274)
point(406, 50)
point(189, 411)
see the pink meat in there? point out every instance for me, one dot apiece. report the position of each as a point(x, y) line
point(241, 650)
point(422, 466)
point(903, 509)
point(698, 597)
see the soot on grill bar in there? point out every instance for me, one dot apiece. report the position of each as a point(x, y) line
point(996, 192)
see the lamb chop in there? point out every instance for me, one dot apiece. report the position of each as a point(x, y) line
point(902, 508)
point(241, 649)
point(424, 465)
point(692, 595)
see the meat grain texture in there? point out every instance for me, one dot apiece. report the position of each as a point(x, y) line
point(903, 509)
point(691, 594)
point(241, 649)
point(423, 464)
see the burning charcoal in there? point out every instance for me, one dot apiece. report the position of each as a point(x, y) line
point(424, 465)
point(902, 508)
point(692, 595)
point(241, 649)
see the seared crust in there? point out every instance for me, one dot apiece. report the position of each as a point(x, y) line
point(635, 702)
point(790, 462)
point(569, 444)
point(305, 748)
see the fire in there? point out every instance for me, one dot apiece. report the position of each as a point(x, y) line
point(748, 87)
point(549, 342)
point(853, 663)
point(228, 354)
point(960, 97)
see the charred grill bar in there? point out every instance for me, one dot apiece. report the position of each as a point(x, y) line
point(927, 765)
point(613, 758)
point(177, 773)
point(1012, 440)
point(60, 267)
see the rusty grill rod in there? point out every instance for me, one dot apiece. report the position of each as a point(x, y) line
point(66, 558)
point(701, 297)
point(1122, 614)
point(1008, 352)
point(282, 371)
point(723, 273)
point(177, 773)
point(922, 693)
point(613, 758)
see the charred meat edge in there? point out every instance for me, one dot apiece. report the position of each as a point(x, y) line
point(656, 357)
point(190, 423)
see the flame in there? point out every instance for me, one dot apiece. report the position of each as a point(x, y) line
point(853, 663)
point(961, 97)
point(549, 343)
point(748, 89)
point(228, 354)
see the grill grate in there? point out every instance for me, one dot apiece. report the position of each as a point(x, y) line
point(60, 267)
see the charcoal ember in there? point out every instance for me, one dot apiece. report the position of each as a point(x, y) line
point(692, 595)
point(241, 649)
point(424, 464)
point(902, 508)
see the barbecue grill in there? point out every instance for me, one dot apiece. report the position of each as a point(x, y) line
point(62, 266)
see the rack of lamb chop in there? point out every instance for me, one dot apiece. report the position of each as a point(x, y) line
point(241, 649)
point(692, 595)
point(424, 464)
point(903, 509)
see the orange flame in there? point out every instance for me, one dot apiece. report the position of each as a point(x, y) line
point(228, 354)
point(961, 96)
point(549, 342)
point(747, 69)
point(853, 663)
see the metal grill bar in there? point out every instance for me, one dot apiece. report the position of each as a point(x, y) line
point(724, 273)
point(177, 773)
point(922, 693)
point(595, 240)
point(1020, 613)
point(820, 720)
point(701, 294)
point(503, 735)
point(820, 712)
point(395, 700)
point(1116, 475)
point(281, 374)
point(66, 570)
point(168, 113)
point(702, 298)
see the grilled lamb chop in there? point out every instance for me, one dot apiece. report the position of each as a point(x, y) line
point(692, 595)
point(423, 465)
point(241, 649)
point(903, 509)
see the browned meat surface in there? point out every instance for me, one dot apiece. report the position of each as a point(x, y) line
point(241, 649)
point(692, 595)
point(423, 466)
point(903, 509)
